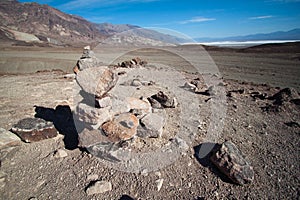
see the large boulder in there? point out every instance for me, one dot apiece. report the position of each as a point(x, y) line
point(230, 160)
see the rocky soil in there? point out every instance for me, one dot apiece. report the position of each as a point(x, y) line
point(265, 127)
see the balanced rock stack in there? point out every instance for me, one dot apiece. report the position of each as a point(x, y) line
point(107, 117)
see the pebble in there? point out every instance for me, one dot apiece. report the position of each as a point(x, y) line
point(60, 153)
point(159, 183)
point(92, 177)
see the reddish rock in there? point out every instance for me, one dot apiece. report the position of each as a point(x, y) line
point(34, 129)
point(230, 160)
point(122, 127)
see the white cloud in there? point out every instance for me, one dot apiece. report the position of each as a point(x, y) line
point(261, 17)
point(76, 4)
point(196, 20)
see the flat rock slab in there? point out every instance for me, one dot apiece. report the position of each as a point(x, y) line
point(89, 138)
point(230, 160)
point(8, 139)
point(34, 129)
point(97, 80)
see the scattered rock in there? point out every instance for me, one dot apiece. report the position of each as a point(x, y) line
point(230, 160)
point(293, 124)
point(136, 83)
point(92, 177)
point(154, 103)
point(34, 129)
point(135, 62)
point(159, 183)
point(258, 95)
point(151, 126)
point(97, 80)
point(8, 139)
point(285, 95)
point(122, 127)
point(90, 137)
point(2, 179)
point(98, 187)
point(60, 153)
point(165, 100)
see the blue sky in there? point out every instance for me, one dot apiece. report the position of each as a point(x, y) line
point(195, 18)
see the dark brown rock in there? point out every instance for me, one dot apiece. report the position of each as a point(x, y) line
point(165, 100)
point(34, 129)
point(230, 160)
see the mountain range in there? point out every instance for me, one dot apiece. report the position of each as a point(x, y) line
point(36, 24)
point(279, 35)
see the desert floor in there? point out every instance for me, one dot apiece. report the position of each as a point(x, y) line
point(269, 138)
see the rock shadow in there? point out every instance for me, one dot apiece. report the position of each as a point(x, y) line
point(63, 121)
point(208, 149)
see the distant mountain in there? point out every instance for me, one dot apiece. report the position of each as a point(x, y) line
point(42, 24)
point(34, 22)
point(280, 35)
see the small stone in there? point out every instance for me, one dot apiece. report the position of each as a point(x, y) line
point(99, 187)
point(92, 177)
point(230, 160)
point(165, 100)
point(34, 129)
point(2, 179)
point(151, 126)
point(122, 127)
point(285, 95)
point(8, 139)
point(154, 103)
point(136, 83)
point(89, 138)
point(97, 80)
point(159, 183)
point(60, 153)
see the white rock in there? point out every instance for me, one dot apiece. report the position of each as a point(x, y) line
point(151, 126)
point(92, 177)
point(60, 153)
point(159, 183)
point(104, 102)
point(99, 187)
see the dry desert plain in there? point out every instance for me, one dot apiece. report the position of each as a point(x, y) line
point(267, 134)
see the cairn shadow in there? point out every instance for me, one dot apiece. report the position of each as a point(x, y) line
point(204, 159)
point(63, 121)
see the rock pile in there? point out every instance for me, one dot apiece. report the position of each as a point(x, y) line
point(133, 63)
point(110, 119)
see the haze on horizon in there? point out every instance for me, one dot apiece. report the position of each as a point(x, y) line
point(195, 18)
